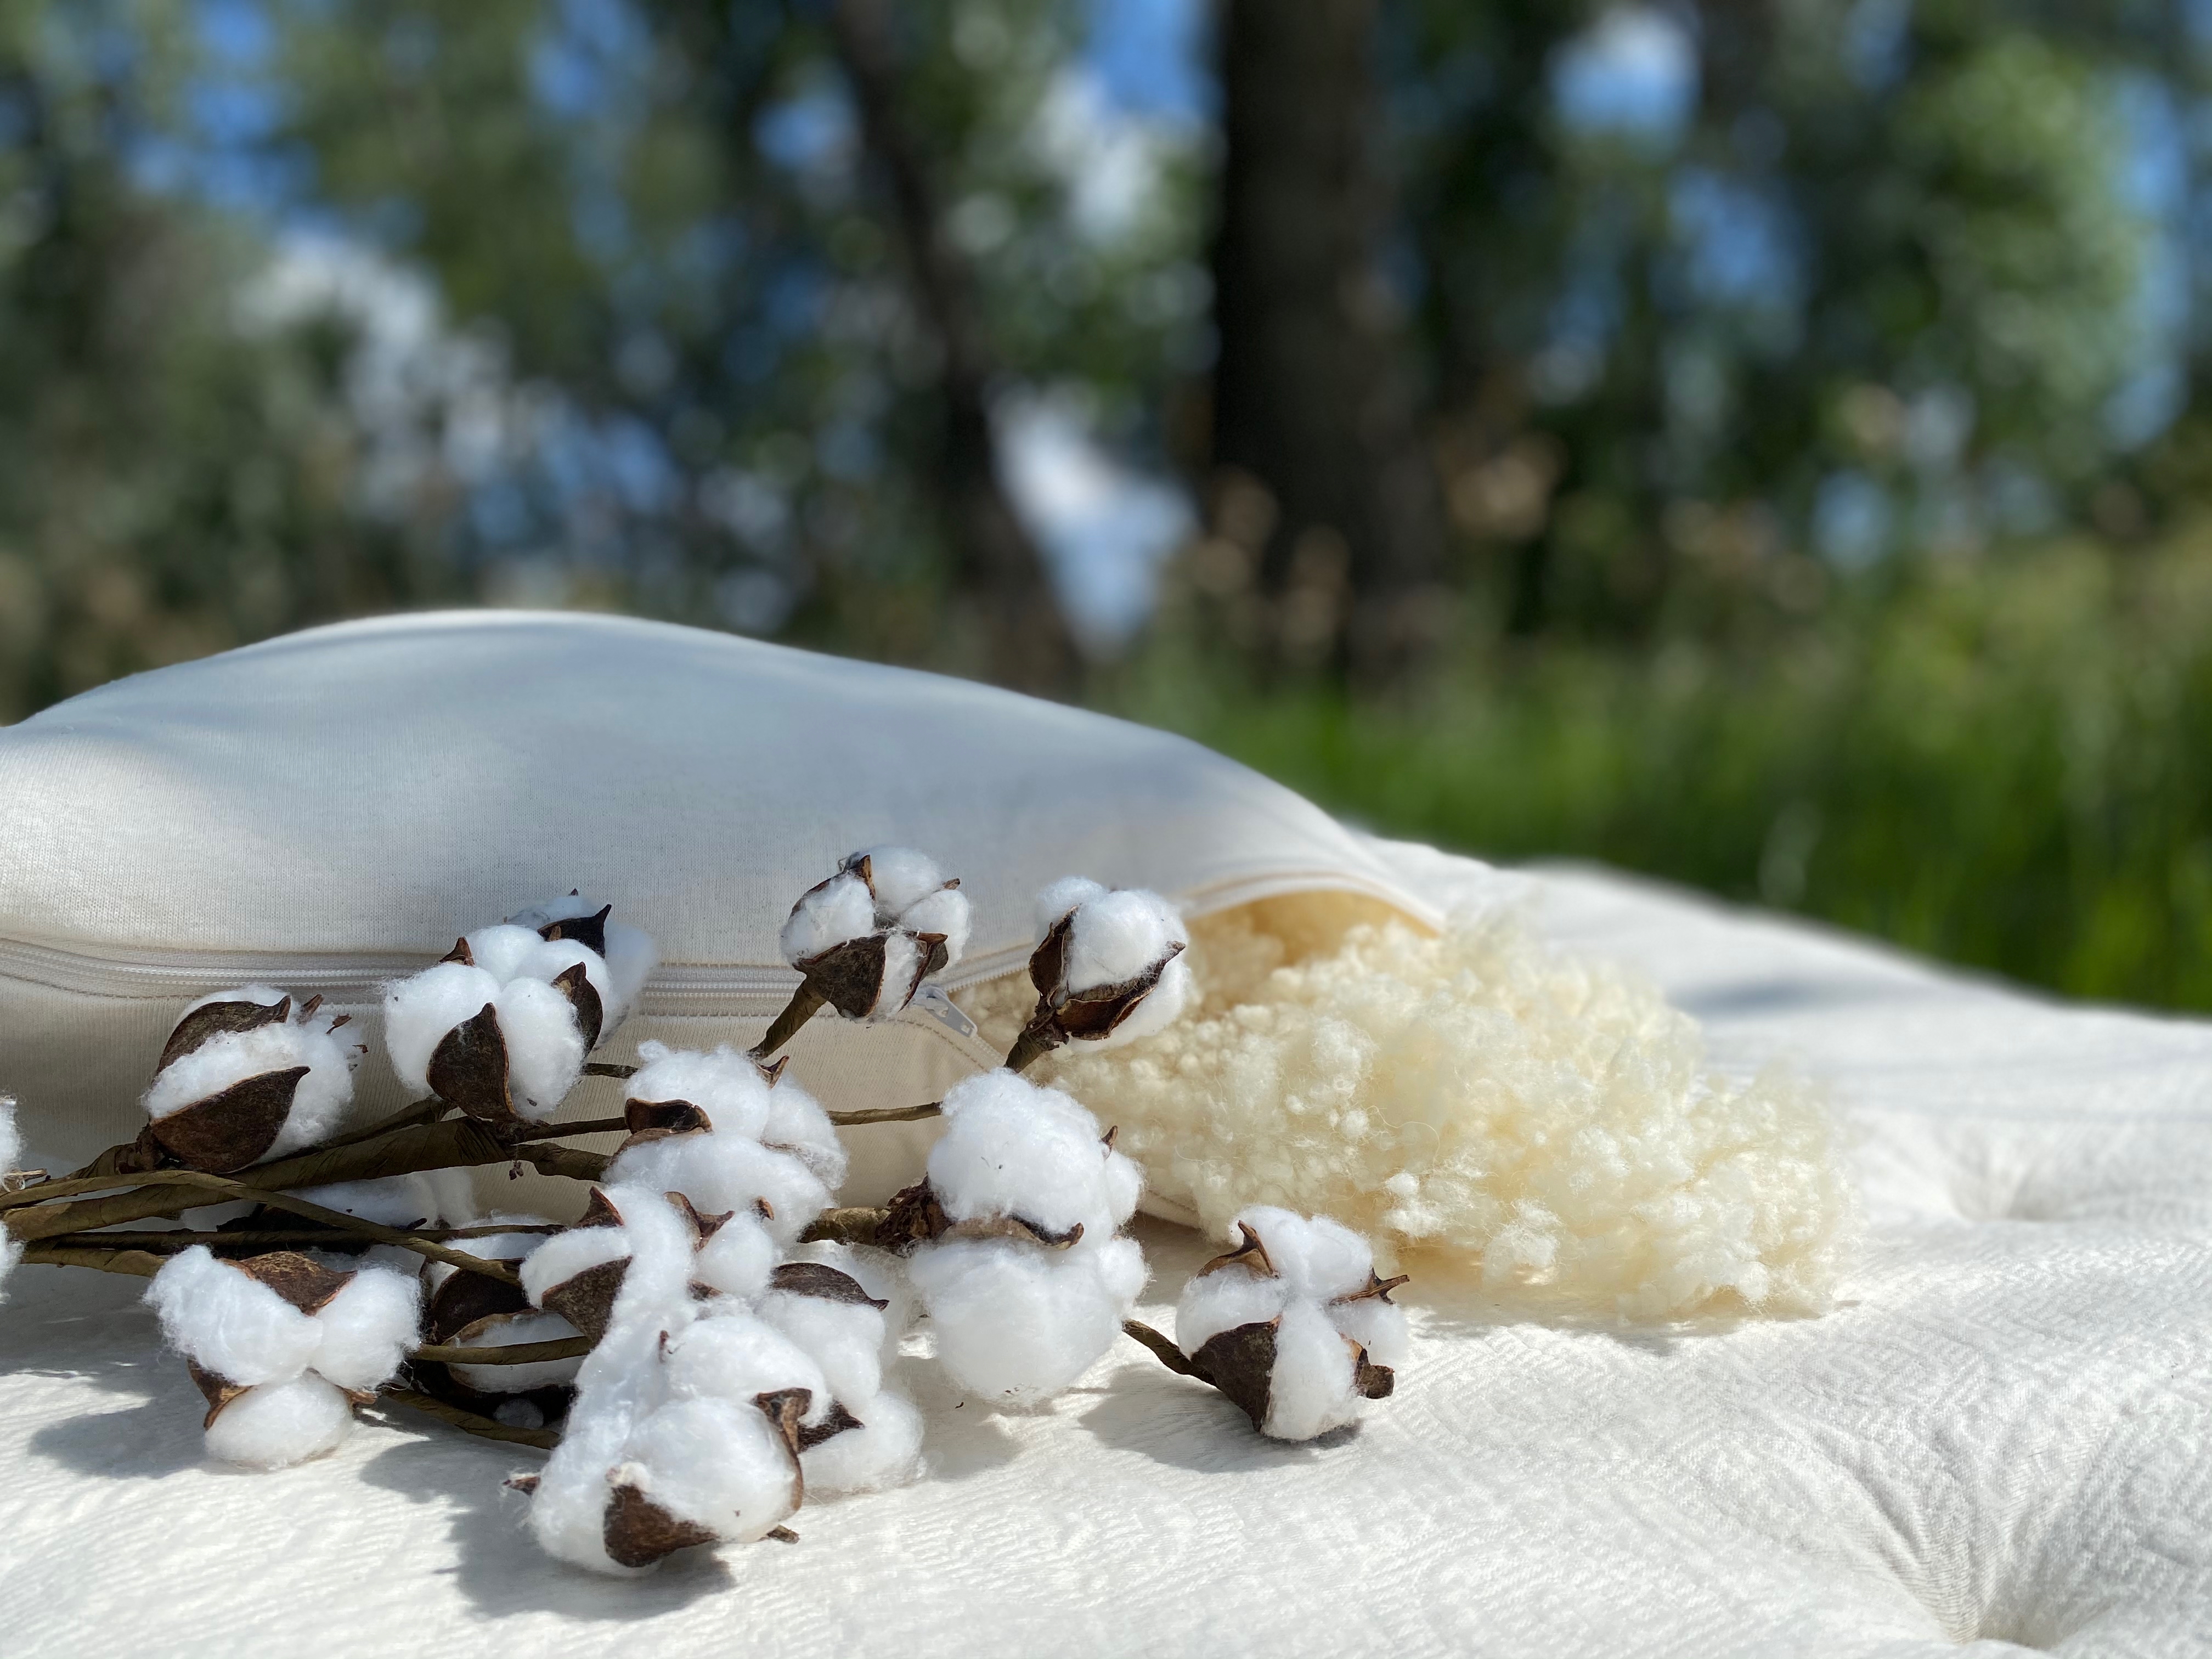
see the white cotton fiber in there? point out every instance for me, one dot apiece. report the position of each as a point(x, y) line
point(11, 1137)
point(516, 1330)
point(420, 1009)
point(900, 877)
point(879, 1272)
point(1011, 1148)
point(1378, 1325)
point(629, 957)
point(1539, 1119)
point(798, 1125)
point(840, 909)
point(718, 1462)
point(1117, 936)
point(544, 1048)
point(1310, 1389)
point(946, 911)
point(278, 1423)
point(725, 1084)
point(319, 1100)
point(229, 1323)
point(844, 1339)
point(404, 1201)
point(559, 1257)
point(722, 1173)
point(495, 1246)
point(1222, 1301)
point(367, 1328)
point(738, 1259)
point(1016, 1323)
point(729, 1354)
point(884, 1452)
point(1054, 904)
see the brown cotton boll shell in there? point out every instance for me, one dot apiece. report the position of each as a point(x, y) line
point(636, 1532)
point(598, 1211)
point(849, 977)
point(214, 1020)
point(818, 1280)
point(590, 932)
point(913, 1216)
point(573, 983)
point(587, 1301)
point(231, 1128)
point(217, 1391)
point(657, 1119)
point(936, 956)
point(1377, 1287)
point(1251, 1253)
point(833, 1424)
point(1372, 1381)
point(468, 1068)
point(704, 1227)
point(1241, 1363)
point(464, 1299)
point(785, 1407)
point(460, 953)
point(1049, 961)
point(301, 1280)
point(1098, 1012)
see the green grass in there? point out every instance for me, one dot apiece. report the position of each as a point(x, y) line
point(2006, 764)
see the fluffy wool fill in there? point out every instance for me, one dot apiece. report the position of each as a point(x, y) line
point(1481, 1098)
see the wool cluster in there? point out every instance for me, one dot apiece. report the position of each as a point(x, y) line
point(243, 1077)
point(1545, 1121)
point(283, 1346)
point(1293, 1324)
point(1024, 1271)
point(867, 938)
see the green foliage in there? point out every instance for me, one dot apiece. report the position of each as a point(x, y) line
point(2006, 763)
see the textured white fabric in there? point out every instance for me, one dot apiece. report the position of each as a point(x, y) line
point(2002, 1442)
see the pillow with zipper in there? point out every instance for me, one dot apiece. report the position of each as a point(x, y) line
point(328, 810)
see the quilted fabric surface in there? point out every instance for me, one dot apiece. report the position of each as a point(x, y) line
point(2000, 1443)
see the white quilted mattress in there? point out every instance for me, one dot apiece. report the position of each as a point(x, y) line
point(2000, 1443)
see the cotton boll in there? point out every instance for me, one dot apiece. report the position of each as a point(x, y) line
point(884, 1452)
point(517, 1330)
point(797, 1124)
point(229, 1323)
point(1054, 904)
point(544, 1049)
point(1318, 1258)
point(1118, 936)
point(1160, 1008)
point(1310, 1390)
point(1016, 1323)
point(738, 1260)
point(725, 1084)
point(840, 909)
point(278, 1423)
point(1376, 1325)
point(419, 1010)
point(1011, 1148)
point(1223, 1300)
point(404, 1201)
point(721, 1174)
point(560, 1257)
point(732, 1355)
point(845, 1339)
point(367, 1328)
point(879, 1272)
point(947, 912)
point(504, 951)
point(319, 1101)
point(718, 1463)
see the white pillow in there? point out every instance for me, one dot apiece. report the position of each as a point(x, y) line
point(326, 810)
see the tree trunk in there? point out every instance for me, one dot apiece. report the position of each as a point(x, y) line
point(1001, 578)
point(1309, 398)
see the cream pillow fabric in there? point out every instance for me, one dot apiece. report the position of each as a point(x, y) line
point(327, 810)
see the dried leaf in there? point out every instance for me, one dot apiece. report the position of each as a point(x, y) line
point(818, 1279)
point(590, 932)
point(573, 983)
point(1240, 1363)
point(1251, 1253)
point(636, 1532)
point(1012, 1226)
point(204, 1024)
point(301, 1280)
point(468, 1068)
point(229, 1129)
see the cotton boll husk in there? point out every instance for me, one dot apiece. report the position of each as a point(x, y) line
point(1310, 1390)
point(1223, 1300)
point(845, 1339)
point(725, 1084)
point(559, 1257)
point(318, 1102)
point(716, 1461)
point(278, 1423)
point(1318, 1258)
point(402, 1200)
point(840, 909)
point(1016, 1323)
point(797, 1124)
point(902, 878)
point(420, 1009)
point(730, 1354)
point(884, 1452)
point(946, 911)
point(516, 1331)
point(544, 1048)
point(1376, 1325)
point(1537, 1120)
point(879, 1272)
point(1012, 1148)
point(1056, 901)
point(1117, 936)
point(1159, 1008)
point(738, 1259)
point(722, 1173)
point(229, 1323)
point(367, 1327)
